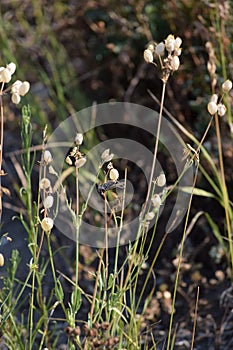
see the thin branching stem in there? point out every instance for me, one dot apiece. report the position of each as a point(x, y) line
point(156, 146)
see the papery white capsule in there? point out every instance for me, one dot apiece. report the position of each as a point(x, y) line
point(24, 88)
point(159, 49)
point(150, 216)
point(221, 109)
point(47, 224)
point(214, 98)
point(212, 107)
point(11, 67)
point(175, 63)
point(79, 139)
point(15, 86)
point(15, 98)
point(148, 56)
point(5, 75)
point(151, 46)
point(48, 202)
point(156, 201)
point(114, 174)
point(170, 43)
point(227, 86)
point(44, 183)
point(161, 180)
point(80, 162)
point(106, 156)
point(48, 157)
point(178, 42)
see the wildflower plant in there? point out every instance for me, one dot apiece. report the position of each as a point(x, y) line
point(17, 89)
point(116, 310)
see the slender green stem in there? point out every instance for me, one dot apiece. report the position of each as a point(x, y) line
point(224, 190)
point(156, 146)
point(179, 262)
point(1, 149)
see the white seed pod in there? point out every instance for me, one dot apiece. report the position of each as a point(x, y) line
point(44, 183)
point(178, 42)
point(24, 88)
point(15, 98)
point(221, 109)
point(114, 174)
point(214, 98)
point(15, 86)
point(156, 201)
point(47, 224)
point(148, 56)
point(106, 157)
point(1, 260)
point(227, 86)
point(48, 157)
point(159, 49)
point(69, 160)
point(177, 52)
point(175, 63)
point(48, 202)
point(80, 162)
point(150, 216)
point(79, 139)
point(11, 67)
point(5, 75)
point(151, 46)
point(212, 107)
point(161, 180)
point(170, 43)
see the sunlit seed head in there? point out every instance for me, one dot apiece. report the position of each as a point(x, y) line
point(15, 98)
point(5, 75)
point(212, 107)
point(221, 109)
point(44, 183)
point(109, 166)
point(114, 174)
point(159, 49)
point(47, 224)
point(69, 160)
point(106, 156)
point(151, 46)
point(148, 56)
point(48, 202)
point(161, 180)
point(178, 42)
point(80, 162)
point(15, 86)
point(150, 216)
point(156, 201)
point(227, 86)
point(48, 157)
point(24, 88)
point(11, 67)
point(214, 98)
point(175, 63)
point(170, 43)
point(79, 139)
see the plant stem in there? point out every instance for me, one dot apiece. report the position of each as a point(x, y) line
point(156, 147)
point(1, 150)
point(224, 190)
